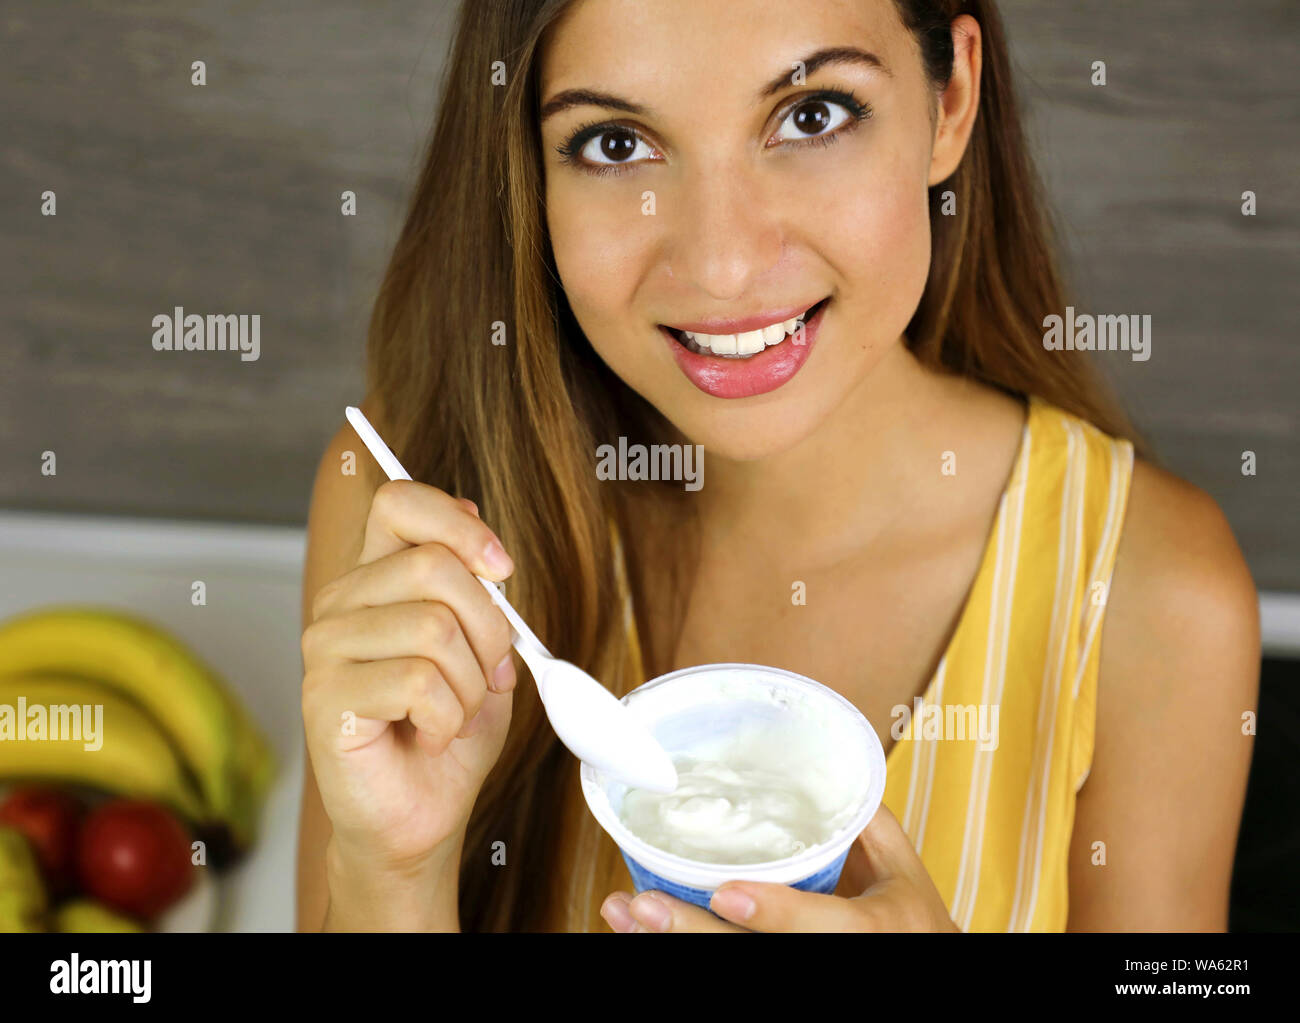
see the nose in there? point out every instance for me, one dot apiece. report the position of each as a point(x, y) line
point(724, 236)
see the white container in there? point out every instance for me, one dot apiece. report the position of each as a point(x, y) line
point(689, 709)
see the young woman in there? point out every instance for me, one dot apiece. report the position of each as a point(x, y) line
point(615, 198)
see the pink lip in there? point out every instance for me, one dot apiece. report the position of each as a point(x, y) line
point(718, 325)
point(743, 378)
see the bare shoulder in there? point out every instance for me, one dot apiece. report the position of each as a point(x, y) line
point(1180, 585)
point(1178, 680)
point(345, 483)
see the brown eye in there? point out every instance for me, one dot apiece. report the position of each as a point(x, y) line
point(618, 145)
point(812, 118)
point(817, 118)
point(615, 145)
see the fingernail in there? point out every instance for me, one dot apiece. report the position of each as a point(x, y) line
point(497, 559)
point(503, 678)
point(616, 915)
point(732, 903)
point(650, 912)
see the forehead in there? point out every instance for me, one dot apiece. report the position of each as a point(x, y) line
point(648, 50)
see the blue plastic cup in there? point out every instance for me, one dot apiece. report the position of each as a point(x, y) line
point(690, 708)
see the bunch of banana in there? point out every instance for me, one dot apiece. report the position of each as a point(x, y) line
point(120, 750)
point(172, 730)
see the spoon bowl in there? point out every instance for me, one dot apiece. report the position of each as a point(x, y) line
point(595, 727)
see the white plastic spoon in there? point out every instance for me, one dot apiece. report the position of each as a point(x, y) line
point(587, 717)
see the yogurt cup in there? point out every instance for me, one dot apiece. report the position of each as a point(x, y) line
point(696, 708)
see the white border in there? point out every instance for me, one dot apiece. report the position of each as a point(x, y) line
point(275, 549)
point(280, 549)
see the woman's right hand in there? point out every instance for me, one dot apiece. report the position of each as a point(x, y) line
point(408, 679)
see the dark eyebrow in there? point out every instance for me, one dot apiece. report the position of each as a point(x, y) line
point(821, 58)
point(586, 97)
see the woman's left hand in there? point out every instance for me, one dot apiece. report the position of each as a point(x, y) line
point(884, 887)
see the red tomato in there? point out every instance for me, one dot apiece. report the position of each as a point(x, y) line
point(134, 855)
point(50, 819)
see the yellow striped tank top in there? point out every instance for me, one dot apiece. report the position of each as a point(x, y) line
point(992, 821)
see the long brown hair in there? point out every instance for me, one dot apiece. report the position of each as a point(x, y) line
point(515, 426)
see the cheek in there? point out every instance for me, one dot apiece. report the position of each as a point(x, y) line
point(877, 233)
point(599, 239)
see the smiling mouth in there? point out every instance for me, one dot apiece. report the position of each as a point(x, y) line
point(748, 344)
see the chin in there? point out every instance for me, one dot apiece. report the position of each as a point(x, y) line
point(748, 435)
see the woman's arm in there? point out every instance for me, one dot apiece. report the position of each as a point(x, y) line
point(1179, 667)
point(401, 642)
point(335, 532)
point(335, 526)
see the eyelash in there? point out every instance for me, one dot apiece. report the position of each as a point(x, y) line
point(570, 149)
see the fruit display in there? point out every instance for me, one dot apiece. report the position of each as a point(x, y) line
point(129, 773)
point(159, 692)
point(134, 757)
point(129, 861)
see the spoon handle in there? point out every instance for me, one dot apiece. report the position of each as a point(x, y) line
point(389, 463)
point(525, 637)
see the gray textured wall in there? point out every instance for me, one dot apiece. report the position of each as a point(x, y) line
point(1146, 174)
point(220, 199)
point(226, 199)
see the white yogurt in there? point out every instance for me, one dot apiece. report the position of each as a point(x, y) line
point(762, 792)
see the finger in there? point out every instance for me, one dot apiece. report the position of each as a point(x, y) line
point(428, 572)
point(658, 912)
point(899, 880)
point(404, 512)
point(495, 713)
point(778, 907)
point(350, 706)
point(889, 852)
point(856, 876)
point(418, 629)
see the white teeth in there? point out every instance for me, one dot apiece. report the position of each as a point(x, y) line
point(741, 345)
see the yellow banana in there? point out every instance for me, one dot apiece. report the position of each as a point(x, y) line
point(219, 743)
point(86, 916)
point(115, 746)
point(23, 899)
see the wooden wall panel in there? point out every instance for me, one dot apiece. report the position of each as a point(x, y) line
point(225, 199)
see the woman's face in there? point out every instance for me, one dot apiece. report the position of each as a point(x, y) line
point(708, 185)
